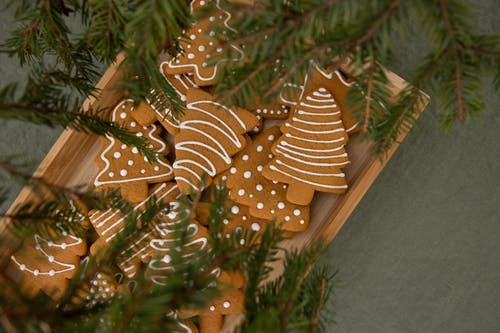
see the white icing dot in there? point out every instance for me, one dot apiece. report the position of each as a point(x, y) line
point(117, 155)
point(250, 196)
point(201, 48)
point(183, 98)
point(247, 174)
point(270, 155)
point(232, 170)
point(211, 33)
point(296, 212)
point(130, 162)
point(259, 187)
point(145, 159)
point(204, 64)
point(135, 150)
point(208, 55)
point(244, 218)
point(123, 146)
point(273, 192)
point(212, 308)
point(235, 210)
point(123, 115)
point(138, 134)
point(284, 186)
point(123, 172)
point(272, 211)
point(260, 205)
point(111, 174)
point(133, 124)
point(166, 259)
point(51, 258)
point(156, 168)
point(22, 267)
point(192, 37)
point(212, 18)
point(63, 246)
point(226, 304)
point(260, 168)
point(244, 157)
point(123, 106)
point(189, 46)
point(36, 272)
point(302, 222)
point(270, 137)
point(199, 30)
point(219, 49)
point(211, 44)
point(190, 56)
point(260, 148)
point(287, 218)
point(255, 227)
point(242, 241)
point(281, 205)
point(224, 178)
point(259, 111)
point(225, 221)
point(241, 192)
point(143, 171)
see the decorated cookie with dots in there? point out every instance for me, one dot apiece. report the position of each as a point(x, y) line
point(110, 224)
point(101, 288)
point(202, 51)
point(272, 110)
point(239, 219)
point(336, 83)
point(210, 133)
point(266, 198)
point(47, 262)
point(211, 318)
point(310, 154)
point(121, 166)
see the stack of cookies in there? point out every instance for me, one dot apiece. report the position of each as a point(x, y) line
point(272, 157)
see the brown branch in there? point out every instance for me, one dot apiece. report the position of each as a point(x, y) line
point(456, 50)
point(321, 303)
point(489, 54)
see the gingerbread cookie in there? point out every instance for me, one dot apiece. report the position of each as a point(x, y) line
point(310, 154)
point(101, 288)
point(211, 319)
point(110, 223)
point(47, 262)
point(209, 135)
point(266, 198)
point(239, 218)
point(338, 85)
point(123, 167)
point(202, 51)
point(163, 240)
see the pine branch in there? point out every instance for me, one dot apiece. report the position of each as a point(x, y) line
point(321, 303)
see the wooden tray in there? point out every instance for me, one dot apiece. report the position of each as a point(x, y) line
point(71, 162)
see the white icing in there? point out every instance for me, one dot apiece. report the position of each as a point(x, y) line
point(272, 167)
point(247, 174)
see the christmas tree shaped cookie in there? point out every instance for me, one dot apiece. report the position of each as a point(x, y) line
point(209, 135)
point(123, 167)
point(47, 262)
point(110, 223)
point(310, 153)
point(266, 199)
point(161, 244)
point(333, 81)
point(202, 51)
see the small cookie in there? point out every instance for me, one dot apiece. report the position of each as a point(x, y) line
point(310, 154)
point(109, 224)
point(209, 135)
point(266, 198)
point(202, 51)
point(47, 263)
point(123, 167)
point(101, 288)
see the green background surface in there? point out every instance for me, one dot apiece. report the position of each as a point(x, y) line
point(421, 252)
